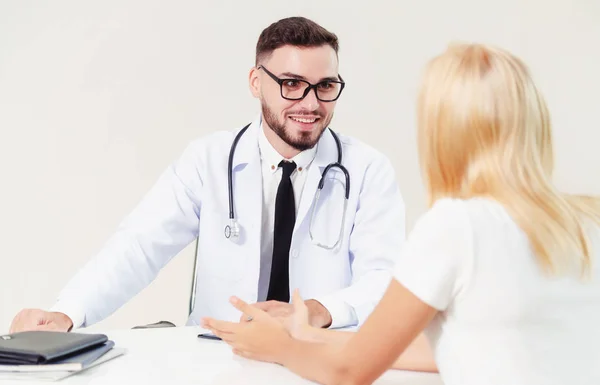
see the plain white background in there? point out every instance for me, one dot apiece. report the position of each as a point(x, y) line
point(96, 98)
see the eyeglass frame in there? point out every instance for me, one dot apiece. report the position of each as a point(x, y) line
point(311, 86)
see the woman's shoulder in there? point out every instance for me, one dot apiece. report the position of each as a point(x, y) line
point(473, 209)
point(464, 218)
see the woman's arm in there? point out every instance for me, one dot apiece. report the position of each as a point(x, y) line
point(417, 357)
point(397, 320)
point(394, 324)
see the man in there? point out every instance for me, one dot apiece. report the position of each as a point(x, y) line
point(275, 171)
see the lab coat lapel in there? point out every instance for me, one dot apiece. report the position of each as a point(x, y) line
point(326, 153)
point(247, 187)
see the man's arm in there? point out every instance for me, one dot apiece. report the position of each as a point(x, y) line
point(375, 244)
point(163, 223)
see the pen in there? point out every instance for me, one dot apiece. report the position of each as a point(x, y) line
point(209, 336)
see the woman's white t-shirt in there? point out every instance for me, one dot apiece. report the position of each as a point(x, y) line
point(501, 320)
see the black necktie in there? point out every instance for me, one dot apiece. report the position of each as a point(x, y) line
point(285, 217)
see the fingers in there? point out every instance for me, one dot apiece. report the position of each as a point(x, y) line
point(25, 320)
point(273, 311)
point(14, 324)
point(280, 314)
point(17, 322)
point(268, 305)
point(264, 306)
point(219, 326)
point(229, 338)
point(50, 327)
point(297, 301)
point(249, 354)
point(295, 295)
point(247, 309)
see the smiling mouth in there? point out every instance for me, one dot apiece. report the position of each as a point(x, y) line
point(304, 120)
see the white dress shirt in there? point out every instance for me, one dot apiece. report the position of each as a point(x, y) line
point(271, 176)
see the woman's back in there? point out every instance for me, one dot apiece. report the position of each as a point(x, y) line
point(505, 321)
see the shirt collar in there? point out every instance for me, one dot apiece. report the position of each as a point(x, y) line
point(271, 158)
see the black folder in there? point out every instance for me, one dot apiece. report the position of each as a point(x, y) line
point(42, 347)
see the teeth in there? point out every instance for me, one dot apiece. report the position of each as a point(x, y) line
point(301, 120)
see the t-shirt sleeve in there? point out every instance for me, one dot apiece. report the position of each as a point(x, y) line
point(436, 258)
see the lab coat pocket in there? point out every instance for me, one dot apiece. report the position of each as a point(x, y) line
point(327, 214)
point(218, 256)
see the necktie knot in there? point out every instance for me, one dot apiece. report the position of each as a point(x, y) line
point(287, 167)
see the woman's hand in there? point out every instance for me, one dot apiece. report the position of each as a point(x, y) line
point(264, 338)
point(298, 323)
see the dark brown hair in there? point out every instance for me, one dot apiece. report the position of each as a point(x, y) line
point(296, 31)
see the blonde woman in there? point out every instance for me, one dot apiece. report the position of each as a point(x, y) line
point(501, 273)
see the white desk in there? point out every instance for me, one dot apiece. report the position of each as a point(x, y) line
point(177, 356)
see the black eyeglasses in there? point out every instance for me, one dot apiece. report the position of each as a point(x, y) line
point(297, 89)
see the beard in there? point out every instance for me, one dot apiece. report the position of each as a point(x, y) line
point(305, 140)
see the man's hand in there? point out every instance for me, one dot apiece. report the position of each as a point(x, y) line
point(318, 315)
point(36, 319)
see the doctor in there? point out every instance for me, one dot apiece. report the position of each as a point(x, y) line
point(249, 196)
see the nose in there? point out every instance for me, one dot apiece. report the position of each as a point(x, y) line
point(310, 101)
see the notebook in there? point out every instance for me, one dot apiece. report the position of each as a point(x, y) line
point(57, 375)
point(71, 363)
point(43, 347)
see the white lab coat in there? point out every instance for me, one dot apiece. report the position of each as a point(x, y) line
point(190, 200)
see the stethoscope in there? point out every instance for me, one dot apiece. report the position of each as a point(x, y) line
point(232, 230)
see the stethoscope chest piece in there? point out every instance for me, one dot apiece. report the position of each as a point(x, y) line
point(232, 231)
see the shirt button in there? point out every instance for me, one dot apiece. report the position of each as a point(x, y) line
point(295, 253)
point(299, 169)
point(272, 167)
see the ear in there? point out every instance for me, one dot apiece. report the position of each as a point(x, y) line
point(254, 82)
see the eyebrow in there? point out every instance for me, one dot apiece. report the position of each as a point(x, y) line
point(300, 77)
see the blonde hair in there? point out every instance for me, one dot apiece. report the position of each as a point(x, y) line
point(484, 131)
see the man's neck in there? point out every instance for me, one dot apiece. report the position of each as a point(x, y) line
point(284, 149)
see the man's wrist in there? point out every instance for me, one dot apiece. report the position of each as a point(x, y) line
point(318, 314)
point(71, 311)
point(64, 320)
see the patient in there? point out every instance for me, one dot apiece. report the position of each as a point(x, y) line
point(501, 273)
